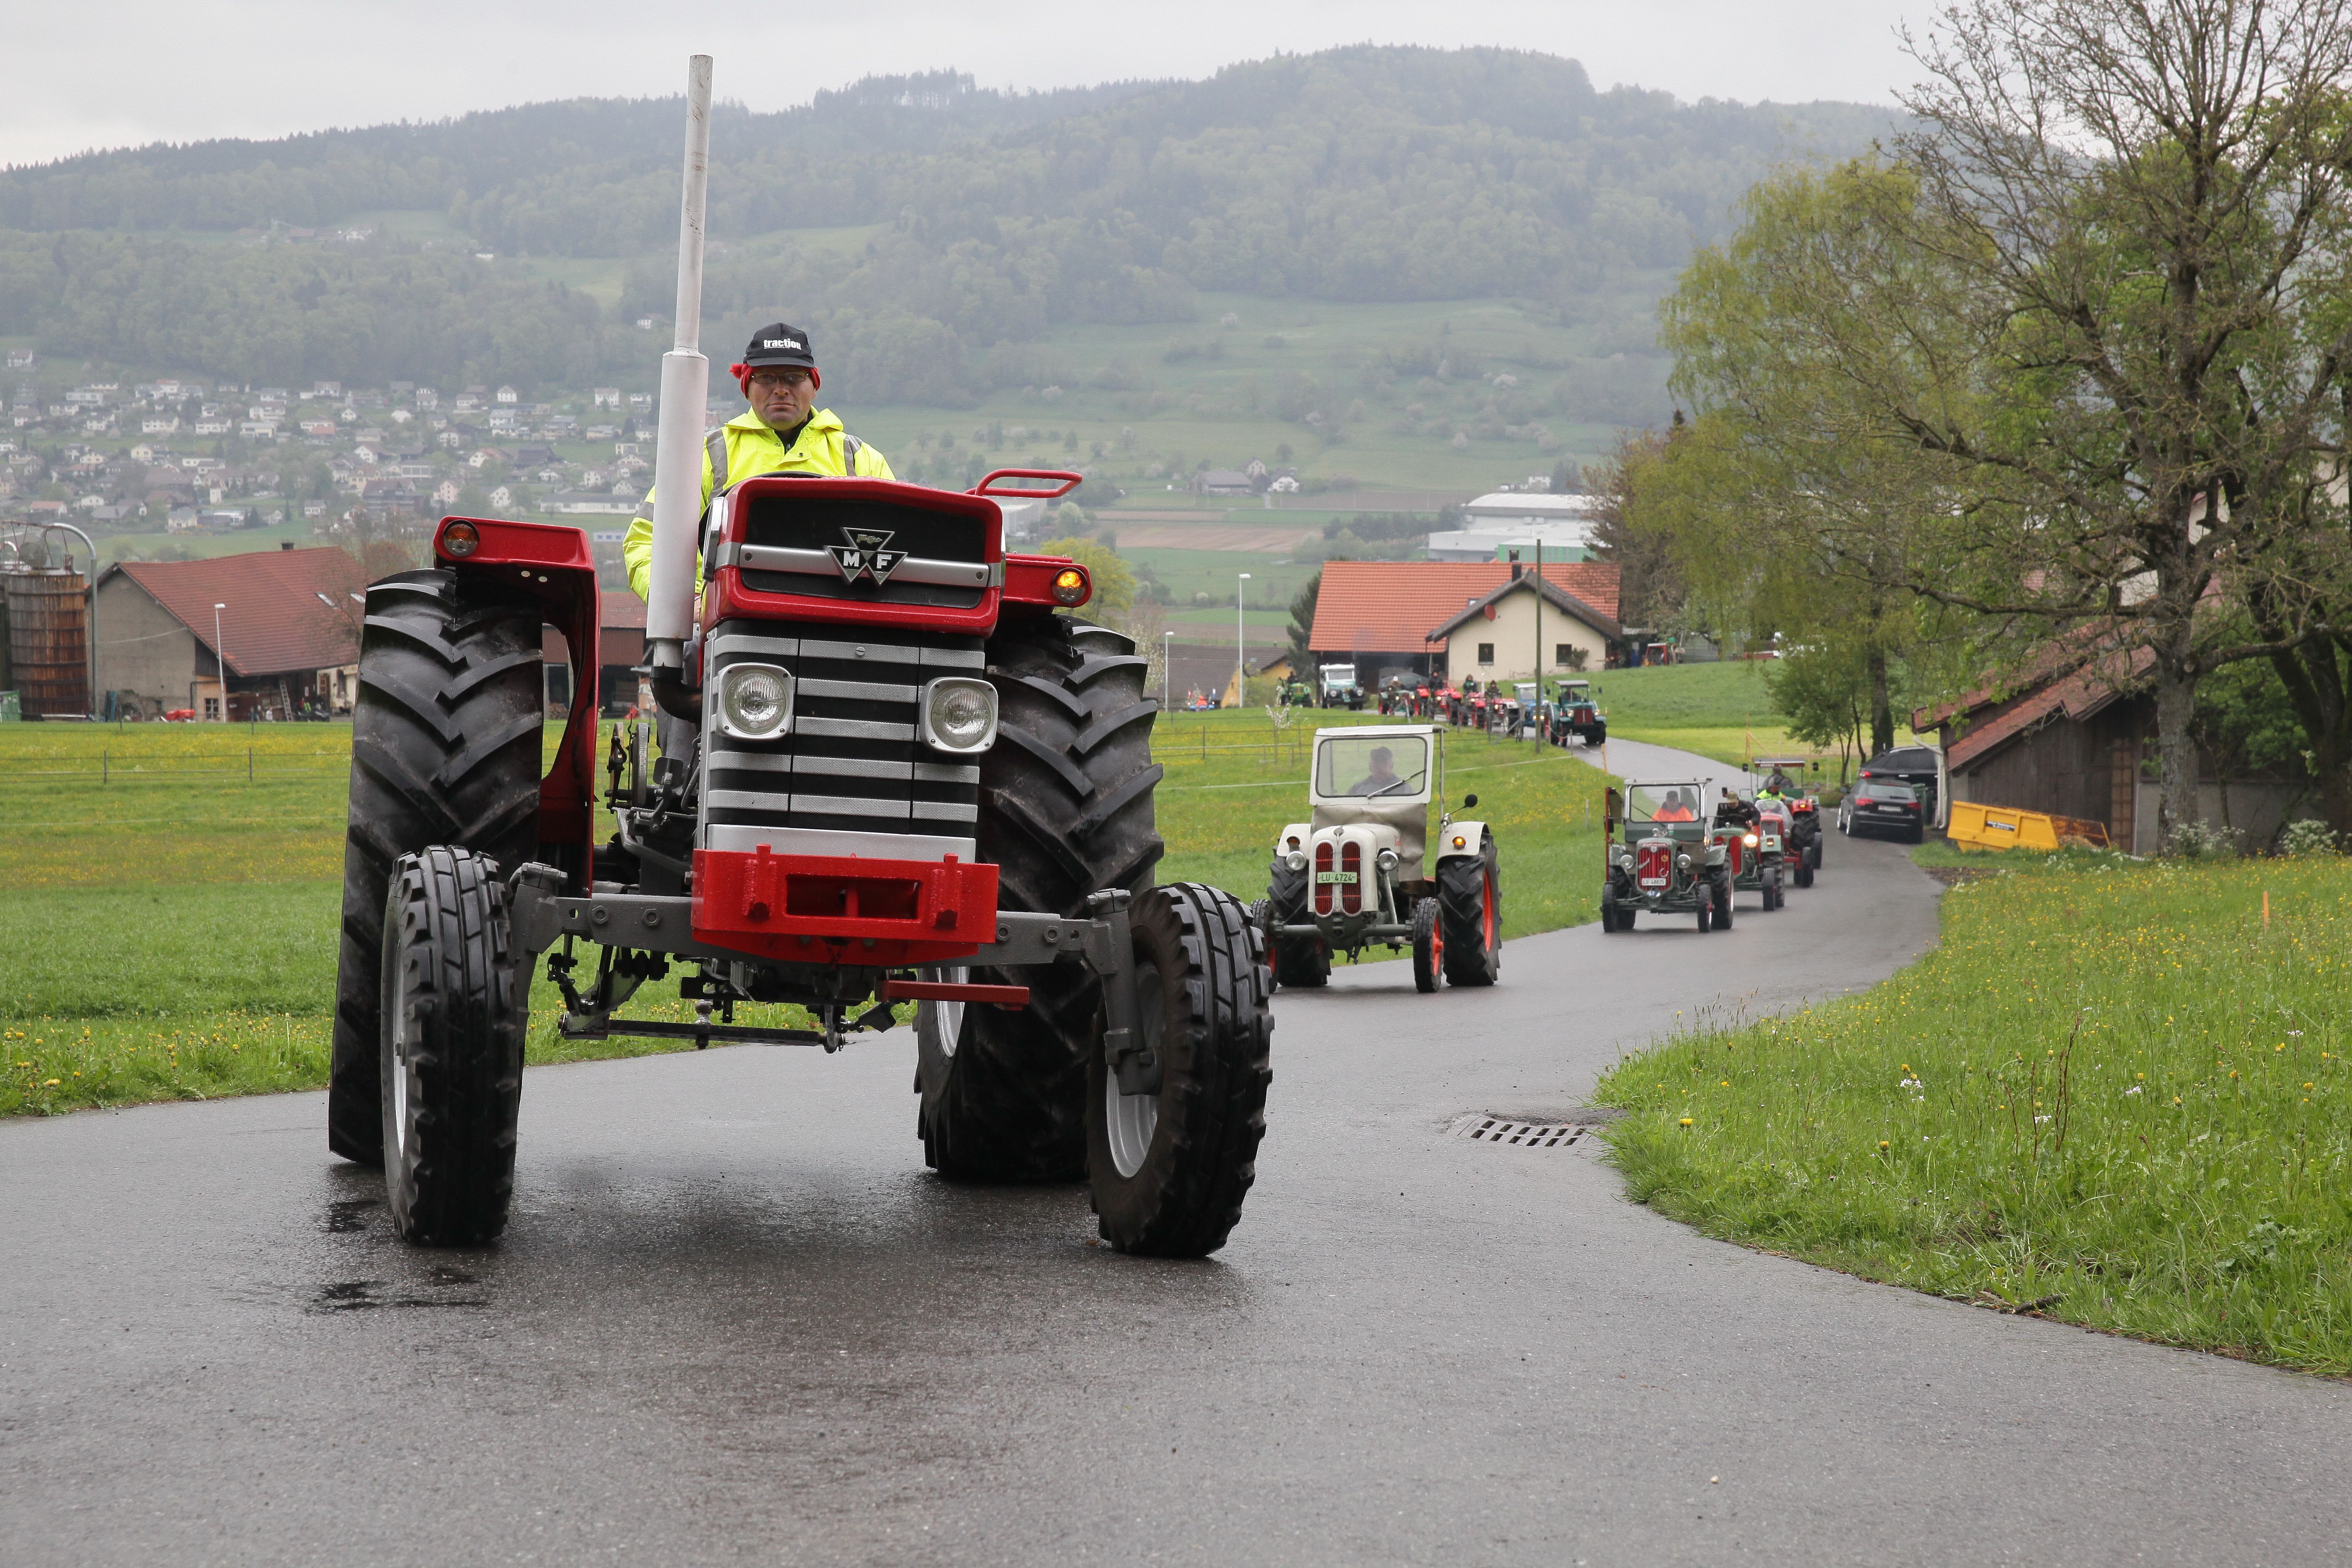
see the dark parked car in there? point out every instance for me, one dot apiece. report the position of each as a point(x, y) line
point(1883, 805)
point(1920, 766)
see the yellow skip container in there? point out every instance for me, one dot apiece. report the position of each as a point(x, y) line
point(1975, 826)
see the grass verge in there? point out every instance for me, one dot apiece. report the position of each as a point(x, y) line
point(2115, 1094)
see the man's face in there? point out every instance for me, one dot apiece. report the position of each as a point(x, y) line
point(781, 395)
point(1384, 763)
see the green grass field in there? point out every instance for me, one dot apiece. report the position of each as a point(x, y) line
point(171, 931)
point(2115, 1094)
point(1722, 710)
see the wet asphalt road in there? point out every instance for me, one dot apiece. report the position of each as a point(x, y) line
point(735, 1321)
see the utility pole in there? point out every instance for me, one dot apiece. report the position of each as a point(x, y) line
point(1241, 641)
point(220, 656)
point(1539, 638)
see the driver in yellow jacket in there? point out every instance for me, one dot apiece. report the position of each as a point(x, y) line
point(784, 431)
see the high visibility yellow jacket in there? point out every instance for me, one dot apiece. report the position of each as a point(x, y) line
point(746, 446)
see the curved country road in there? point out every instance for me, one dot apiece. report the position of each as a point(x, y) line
point(735, 1322)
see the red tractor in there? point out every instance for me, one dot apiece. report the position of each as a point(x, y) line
point(893, 768)
point(923, 784)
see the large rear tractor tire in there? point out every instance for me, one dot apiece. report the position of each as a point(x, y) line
point(1065, 811)
point(1299, 961)
point(1170, 1169)
point(451, 1055)
point(445, 750)
point(1470, 907)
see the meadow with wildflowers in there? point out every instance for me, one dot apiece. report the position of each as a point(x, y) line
point(2116, 1094)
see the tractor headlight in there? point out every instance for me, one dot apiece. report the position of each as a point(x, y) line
point(959, 714)
point(1386, 860)
point(1748, 840)
point(1296, 859)
point(1684, 861)
point(1772, 841)
point(755, 702)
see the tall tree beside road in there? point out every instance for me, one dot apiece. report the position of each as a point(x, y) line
point(1302, 627)
point(1650, 591)
point(2092, 322)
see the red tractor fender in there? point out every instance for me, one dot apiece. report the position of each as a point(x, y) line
point(550, 564)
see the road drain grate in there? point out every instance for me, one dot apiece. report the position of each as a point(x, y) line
point(1525, 1134)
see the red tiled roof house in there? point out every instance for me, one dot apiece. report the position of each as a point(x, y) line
point(290, 623)
point(1465, 618)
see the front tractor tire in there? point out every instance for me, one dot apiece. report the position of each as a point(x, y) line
point(1065, 811)
point(451, 1053)
point(1299, 961)
point(1428, 946)
point(1169, 1169)
point(1470, 910)
point(445, 751)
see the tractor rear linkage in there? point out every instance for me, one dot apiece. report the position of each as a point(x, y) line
point(664, 926)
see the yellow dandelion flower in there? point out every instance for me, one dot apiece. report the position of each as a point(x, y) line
point(1686, 1122)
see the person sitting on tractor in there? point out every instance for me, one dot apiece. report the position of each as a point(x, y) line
point(1733, 812)
point(1778, 784)
point(1383, 777)
point(1770, 793)
point(783, 432)
point(1676, 808)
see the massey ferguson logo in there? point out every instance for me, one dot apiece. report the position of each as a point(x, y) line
point(867, 555)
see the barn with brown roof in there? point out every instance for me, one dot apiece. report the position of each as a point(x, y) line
point(288, 633)
point(1465, 618)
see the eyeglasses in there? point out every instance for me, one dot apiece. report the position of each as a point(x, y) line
point(771, 379)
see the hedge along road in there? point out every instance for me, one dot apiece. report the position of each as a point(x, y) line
point(734, 1320)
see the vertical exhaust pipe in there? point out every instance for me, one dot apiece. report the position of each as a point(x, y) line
point(685, 389)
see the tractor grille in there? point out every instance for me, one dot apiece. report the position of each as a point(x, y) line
point(798, 524)
point(851, 764)
point(1654, 863)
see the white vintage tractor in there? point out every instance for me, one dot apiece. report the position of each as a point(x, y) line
point(1362, 870)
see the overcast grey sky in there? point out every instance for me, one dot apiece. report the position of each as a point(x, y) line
point(133, 71)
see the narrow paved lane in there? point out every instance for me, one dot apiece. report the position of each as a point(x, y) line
point(735, 1321)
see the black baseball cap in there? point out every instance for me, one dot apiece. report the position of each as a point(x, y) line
point(778, 344)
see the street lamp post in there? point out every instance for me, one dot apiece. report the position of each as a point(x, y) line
point(220, 658)
point(1241, 641)
point(1168, 672)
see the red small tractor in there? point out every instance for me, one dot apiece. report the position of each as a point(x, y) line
point(1674, 859)
point(894, 768)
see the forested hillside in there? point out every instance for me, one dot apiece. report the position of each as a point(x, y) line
point(1362, 174)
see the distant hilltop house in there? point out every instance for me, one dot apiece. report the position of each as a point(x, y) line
point(1467, 620)
point(288, 632)
point(1495, 524)
point(1223, 482)
point(508, 394)
point(587, 503)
